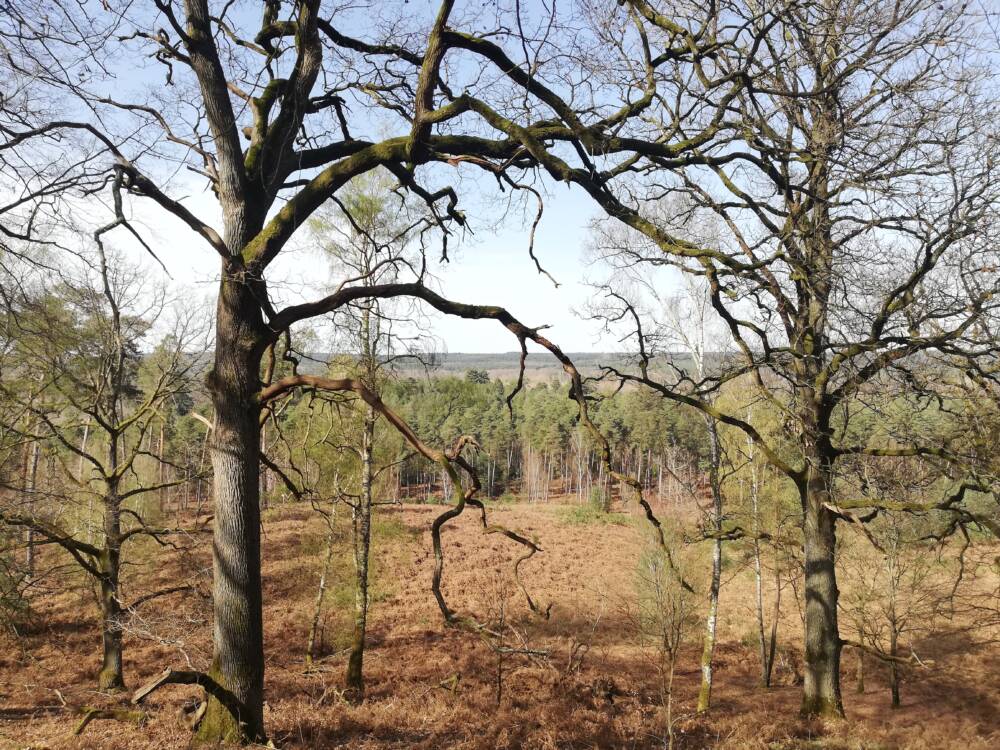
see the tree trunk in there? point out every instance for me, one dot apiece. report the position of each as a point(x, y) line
point(765, 677)
point(362, 542)
point(708, 649)
point(894, 666)
point(263, 469)
point(318, 607)
point(30, 480)
point(89, 520)
point(238, 658)
point(821, 690)
point(160, 472)
point(860, 685)
point(773, 643)
point(766, 651)
point(111, 677)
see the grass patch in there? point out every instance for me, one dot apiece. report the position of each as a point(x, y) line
point(313, 543)
point(502, 501)
point(388, 528)
point(392, 542)
point(589, 515)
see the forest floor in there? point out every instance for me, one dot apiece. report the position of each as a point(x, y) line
point(430, 686)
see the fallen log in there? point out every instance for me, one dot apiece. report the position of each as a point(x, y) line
point(190, 677)
point(91, 713)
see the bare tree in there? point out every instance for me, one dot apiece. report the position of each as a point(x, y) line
point(264, 110)
point(688, 331)
point(664, 619)
point(283, 82)
point(371, 237)
point(897, 599)
point(858, 199)
point(77, 357)
point(817, 131)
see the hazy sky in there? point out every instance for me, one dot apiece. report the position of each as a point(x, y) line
point(489, 267)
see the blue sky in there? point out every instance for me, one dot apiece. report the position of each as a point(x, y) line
point(490, 267)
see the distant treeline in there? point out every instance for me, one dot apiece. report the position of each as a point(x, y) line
point(504, 365)
point(534, 449)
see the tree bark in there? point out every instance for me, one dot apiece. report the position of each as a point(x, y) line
point(111, 677)
point(759, 608)
point(892, 568)
point(894, 666)
point(160, 469)
point(362, 517)
point(708, 649)
point(765, 675)
point(860, 684)
point(821, 690)
point(238, 658)
point(30, 480)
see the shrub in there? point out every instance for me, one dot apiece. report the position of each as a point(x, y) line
point(599, 499)
point(587, 514)
point(15, 611)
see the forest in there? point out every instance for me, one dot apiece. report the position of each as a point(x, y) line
point(267, 508)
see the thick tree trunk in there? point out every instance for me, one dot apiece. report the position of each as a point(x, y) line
point(821, 690)
point(708, 649)
point(894, 666)
point(362, 526)
point(111, 677)
point(238, 659)
point(860, 684)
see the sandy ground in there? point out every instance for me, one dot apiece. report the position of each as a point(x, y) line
point(429, 686)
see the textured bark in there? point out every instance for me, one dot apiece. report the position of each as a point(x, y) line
point(238, 659)
point(362, 524)
point(160, 469)
point(894, 666)
point(708, 648)
point(111, 677)
point(821, 690)
point(362, 515)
